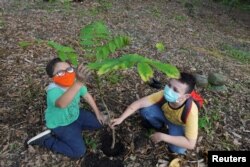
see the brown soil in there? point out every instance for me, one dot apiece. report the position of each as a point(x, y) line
point(194, 42)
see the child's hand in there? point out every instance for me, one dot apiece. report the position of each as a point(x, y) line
point(115, 122)
point(156, 137)
point(101, 118)
point(82, 73)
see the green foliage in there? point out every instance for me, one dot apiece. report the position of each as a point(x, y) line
point(91, 143)
point(65, 52)
point(104, 6)
point(156, 12)
point(127, 61)
point(145, 71)
point(114, 77)
point(204, 122)
point(98, 43)
point(96, 40)
point(240, 4)
point(93, 34)
point(149, 132)
point(160, 47)
point(24, 44)
point(1, 23)
point(180, 18)
point(237, 53)
point(116, 43)
point(207, 121)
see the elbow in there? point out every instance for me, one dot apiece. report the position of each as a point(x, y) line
point(60, 105)
point(191, 145)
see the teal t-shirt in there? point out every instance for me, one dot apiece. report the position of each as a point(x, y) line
point(55, 116)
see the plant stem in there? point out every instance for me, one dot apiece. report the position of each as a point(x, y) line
point(108, 111)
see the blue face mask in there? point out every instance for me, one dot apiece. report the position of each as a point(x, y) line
point(170, 95)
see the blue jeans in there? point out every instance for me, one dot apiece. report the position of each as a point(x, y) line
point(154, 115)
point(68, 140)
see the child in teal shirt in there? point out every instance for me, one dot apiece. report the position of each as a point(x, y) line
point(64, 119)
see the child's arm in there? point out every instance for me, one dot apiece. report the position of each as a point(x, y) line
point(180, 141)
point(82, 74)
point(69, 95)
point(143, 102)
point(191, 132)
point(89, 99)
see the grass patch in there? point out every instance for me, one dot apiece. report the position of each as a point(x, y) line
point(103, 6)
point(206, 121)
point(156, 12)
point(239, 4)
point(237, 53)
point(180, 18)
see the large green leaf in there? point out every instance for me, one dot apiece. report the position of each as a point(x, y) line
point(62, 55)
point(93, 34)
point(102, 53)
point(108, 66)
point(129, 60)
point(170, 70)
point(73, 58)
point(65, 52)
point(60, 47)
point(112, 46)
point(145, 71)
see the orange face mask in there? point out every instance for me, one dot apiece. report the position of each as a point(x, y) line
point(66, 80)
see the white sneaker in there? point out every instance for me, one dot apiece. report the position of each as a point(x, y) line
point(39, 139)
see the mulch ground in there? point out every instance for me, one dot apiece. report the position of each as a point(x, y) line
point(194, 38)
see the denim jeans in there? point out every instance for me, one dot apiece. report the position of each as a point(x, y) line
point(68, 140)
point(155, 116)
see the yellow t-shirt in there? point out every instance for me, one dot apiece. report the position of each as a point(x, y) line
point(174, 115)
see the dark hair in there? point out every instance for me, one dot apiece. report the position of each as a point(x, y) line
point(51, 66)
point(188, 79)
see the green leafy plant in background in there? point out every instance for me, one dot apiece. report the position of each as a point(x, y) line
point(237, 53)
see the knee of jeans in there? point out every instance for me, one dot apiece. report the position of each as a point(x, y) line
point(145, 113)
point(176, 149)
point(80, 152)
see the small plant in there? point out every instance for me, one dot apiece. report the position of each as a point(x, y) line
point(160, 47)
point(206, 122)
point(24, 44)
point(156, 12)
point(180, 18)
point(149, 132)
point(91, 143)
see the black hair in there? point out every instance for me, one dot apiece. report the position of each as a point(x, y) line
point(51, 66)
point(188, 79)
